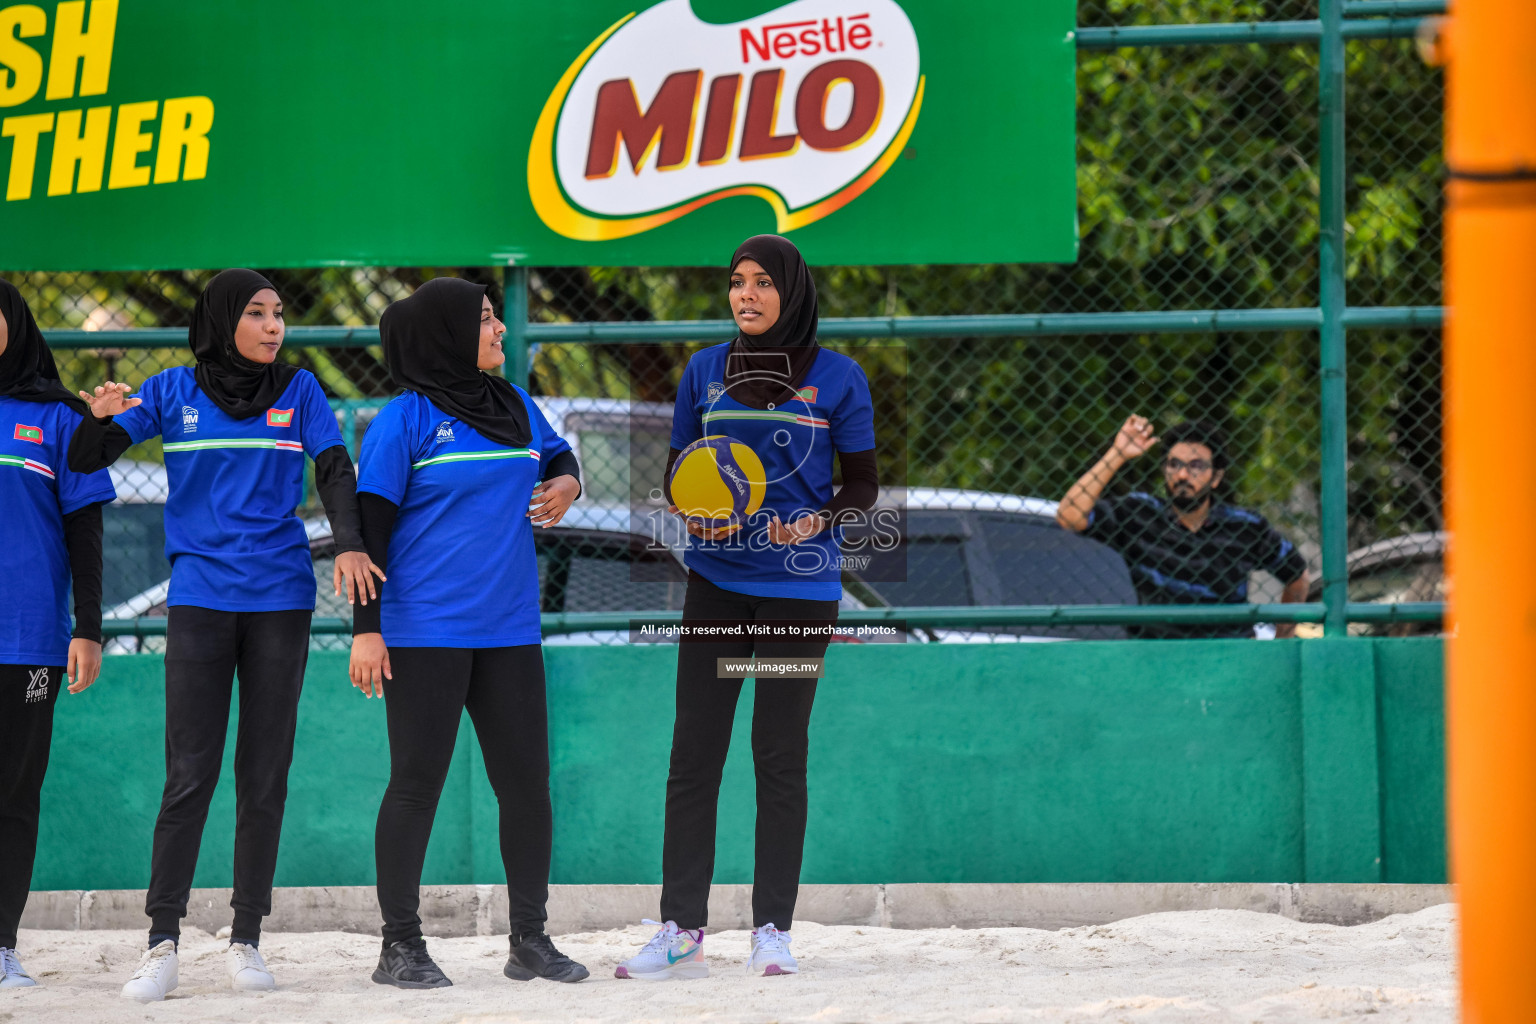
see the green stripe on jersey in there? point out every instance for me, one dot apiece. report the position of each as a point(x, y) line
point(232, 442)
point(510, 453)
point(21, 463)
point(761, 414)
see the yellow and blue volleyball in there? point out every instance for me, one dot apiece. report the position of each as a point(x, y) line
point(718, 481)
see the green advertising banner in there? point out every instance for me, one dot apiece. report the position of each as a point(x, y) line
point(151, 134)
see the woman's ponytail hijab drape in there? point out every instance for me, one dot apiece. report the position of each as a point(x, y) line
point(431, 344)
point(239, 386)
point(767, 369)
point(27, 369)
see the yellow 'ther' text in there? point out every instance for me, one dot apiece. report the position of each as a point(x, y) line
point(79, 64)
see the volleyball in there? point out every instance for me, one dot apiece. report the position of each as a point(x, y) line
point(718, 481)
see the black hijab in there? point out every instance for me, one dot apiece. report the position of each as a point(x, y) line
point(27, 370)
point(766, 369)
point(239, 386)
point(432, 345)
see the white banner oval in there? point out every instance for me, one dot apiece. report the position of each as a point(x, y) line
point(805, 107)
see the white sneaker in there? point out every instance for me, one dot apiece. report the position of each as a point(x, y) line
point(12, 974)
point(247, 970)
point(671, 953)
point(156, 975)
point(770, 953)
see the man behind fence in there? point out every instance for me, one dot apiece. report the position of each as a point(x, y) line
point(1193, 548)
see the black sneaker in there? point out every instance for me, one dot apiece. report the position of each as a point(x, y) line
point(406, 964)
point(537, 957)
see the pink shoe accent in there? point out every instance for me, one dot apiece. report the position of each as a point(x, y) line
point(772, 970)
point(620, 972)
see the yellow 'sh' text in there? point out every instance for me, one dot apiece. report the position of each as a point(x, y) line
point(79, 64)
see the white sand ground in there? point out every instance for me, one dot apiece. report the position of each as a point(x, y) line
point(1226, 966)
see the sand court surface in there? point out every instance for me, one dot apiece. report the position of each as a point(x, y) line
point(1226, 966)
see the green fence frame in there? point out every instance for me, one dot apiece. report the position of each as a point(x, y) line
point(1340, 20)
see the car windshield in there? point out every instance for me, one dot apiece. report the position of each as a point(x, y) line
point(1037, 562)
point(921, 571)
point(583, 573)
point(1398, 584)
point(623, 458)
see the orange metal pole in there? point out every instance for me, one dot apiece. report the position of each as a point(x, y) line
point(1491, 497)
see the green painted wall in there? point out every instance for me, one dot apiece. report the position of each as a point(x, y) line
point(1315, 760)
point(1411, 753)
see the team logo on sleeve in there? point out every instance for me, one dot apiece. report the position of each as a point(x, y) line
point(444, 433)
point(188, 420)
point(26, 433)
point(279, 417)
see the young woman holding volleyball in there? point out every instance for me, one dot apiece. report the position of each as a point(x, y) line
point(798, 406)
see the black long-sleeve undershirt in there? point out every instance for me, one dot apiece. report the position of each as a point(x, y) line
point(378, 525)
point(564, 464)
point(336, 483)
point(82, 540)
point(861, 486)
point(96, 444)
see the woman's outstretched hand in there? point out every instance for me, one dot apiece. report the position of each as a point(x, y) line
point(358, 570)
point(110, 399)
point(369, 666)
point(804, 528)
point(552, 498)
point(705, 532)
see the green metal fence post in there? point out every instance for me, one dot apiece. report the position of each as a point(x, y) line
point(1335, 486)
point(514, 291)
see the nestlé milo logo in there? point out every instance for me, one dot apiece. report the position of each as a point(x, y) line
point(804, 107)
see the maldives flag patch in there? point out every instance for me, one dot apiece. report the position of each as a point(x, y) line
point(279, 417)
point(25, 433)
point(807, 395)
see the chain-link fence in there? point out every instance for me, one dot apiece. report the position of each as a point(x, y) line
point(1199, 189)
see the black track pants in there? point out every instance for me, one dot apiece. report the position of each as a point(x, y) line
point(204, 649)
point(27, 696)
point(502, 688)
point(701, 736)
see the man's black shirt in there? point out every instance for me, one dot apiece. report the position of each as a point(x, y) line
point(1169, 564)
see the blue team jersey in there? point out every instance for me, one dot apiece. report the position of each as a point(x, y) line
point(232, 537)
point(37, 490)
point(796, 445)
point(462, 568)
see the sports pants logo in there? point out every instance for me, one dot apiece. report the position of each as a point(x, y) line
point(37, 686)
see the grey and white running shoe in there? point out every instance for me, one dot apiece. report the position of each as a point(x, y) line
point(12, 974)
point(770, 953)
